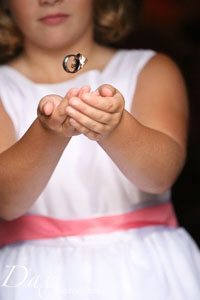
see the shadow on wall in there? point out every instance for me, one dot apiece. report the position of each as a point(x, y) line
point(173, 27)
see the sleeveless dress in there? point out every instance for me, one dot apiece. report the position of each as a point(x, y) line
point(92, 234)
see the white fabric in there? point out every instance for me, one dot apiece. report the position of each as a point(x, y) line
point(86, 181)
point(155, 263)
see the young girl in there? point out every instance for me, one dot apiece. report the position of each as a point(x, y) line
point(87, 160)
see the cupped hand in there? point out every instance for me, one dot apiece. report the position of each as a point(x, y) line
point(52, 112)
point(96, 114)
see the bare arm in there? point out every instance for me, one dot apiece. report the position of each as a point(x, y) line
point(27, 165)
point(26, 168)
point(148, 144)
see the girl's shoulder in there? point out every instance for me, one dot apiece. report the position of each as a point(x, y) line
point(135, 56)
point(129, 61)
point(145, 63)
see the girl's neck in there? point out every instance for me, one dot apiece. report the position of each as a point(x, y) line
point(45, 65)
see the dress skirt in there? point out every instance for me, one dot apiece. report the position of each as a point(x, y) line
point(155, 263)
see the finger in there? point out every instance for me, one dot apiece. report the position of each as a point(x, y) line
point(86, 121)
point(61, 110)
point(69, 129)
point(57, 115)
point(95, 93)
point(48, 108)
point(48, 104)
point(77, 126)
point(106, 104)
point(83, 90)
point(84, 130)
point(107, 90)
point(91, 112)
point(73, 92)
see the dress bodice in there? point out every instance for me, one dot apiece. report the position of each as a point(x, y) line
point(86, 182)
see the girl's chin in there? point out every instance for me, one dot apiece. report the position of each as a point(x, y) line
point(54, 45)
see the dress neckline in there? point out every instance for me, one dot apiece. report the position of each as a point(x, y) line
point(59, 84)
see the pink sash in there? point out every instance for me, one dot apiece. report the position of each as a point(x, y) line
point(32, 227)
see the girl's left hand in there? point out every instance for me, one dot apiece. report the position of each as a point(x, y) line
point(96, 114)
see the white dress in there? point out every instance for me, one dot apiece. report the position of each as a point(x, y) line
point(92, 234)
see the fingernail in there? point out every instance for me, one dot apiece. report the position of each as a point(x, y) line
point(47, 108)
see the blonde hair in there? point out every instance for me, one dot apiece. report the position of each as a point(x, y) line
point(113, 20)
point(10, 37)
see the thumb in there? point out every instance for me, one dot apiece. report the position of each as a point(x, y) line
point(106, 90)
point(48, 108)
point(48, 104)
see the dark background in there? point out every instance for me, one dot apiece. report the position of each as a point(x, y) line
point(173, 27)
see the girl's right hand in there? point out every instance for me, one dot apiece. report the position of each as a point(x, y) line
point(52, 112)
